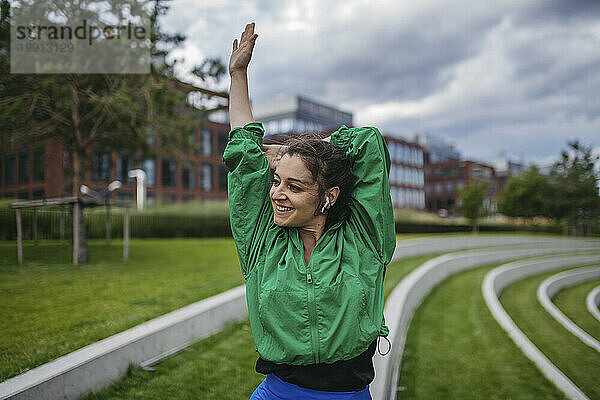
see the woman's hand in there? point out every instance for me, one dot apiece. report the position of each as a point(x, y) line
point(240, 112)
point(242, 52)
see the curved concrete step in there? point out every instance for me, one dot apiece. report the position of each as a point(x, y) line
point(593, 302)
point(420, 246)
point(412, 290)
point(498, 279)
point(551, 286)
point(98, 365)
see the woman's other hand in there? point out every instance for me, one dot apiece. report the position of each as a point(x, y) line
point(242, 51)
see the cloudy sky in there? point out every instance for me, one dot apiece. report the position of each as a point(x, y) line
point(521, 76)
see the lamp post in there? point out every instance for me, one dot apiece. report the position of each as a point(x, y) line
point(140, 177)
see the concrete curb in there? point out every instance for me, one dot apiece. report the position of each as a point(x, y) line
point(98, 365)
point(551, 286)
point(412, 290)
point(493, 285)
point(420, 246)
point(593, 302)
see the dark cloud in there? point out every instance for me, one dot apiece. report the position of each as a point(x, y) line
point(520, 77)
point(541, 12)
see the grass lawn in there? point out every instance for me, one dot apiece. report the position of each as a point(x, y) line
point(220, 367)
point(51, 308)
point(571, 302)
point(576, 360)
point(456, 350)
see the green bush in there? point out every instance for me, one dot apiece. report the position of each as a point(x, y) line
point(409, 227)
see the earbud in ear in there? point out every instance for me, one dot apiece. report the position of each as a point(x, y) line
point(325, 205)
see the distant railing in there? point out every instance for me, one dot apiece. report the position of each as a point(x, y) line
point(141, 226)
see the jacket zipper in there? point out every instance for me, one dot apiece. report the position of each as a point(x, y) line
point(312, 313)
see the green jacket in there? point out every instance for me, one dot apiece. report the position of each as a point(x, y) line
point(331, 309)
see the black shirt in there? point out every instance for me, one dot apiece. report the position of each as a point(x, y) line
point(341, 376)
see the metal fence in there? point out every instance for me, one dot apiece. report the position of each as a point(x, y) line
point(141, 226)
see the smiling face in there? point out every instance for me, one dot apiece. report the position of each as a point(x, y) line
point(294, 194)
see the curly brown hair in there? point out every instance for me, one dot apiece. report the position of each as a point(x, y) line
point(328, 166)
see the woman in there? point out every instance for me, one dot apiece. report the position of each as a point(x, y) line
point(313, 243)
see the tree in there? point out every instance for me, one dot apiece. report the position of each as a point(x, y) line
point(527, 195)
point(471, 199)
point(108, 112)
point(575, 185)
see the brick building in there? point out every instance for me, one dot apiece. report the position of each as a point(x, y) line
point(37, 170)
point(442, 180)
point(406, 173)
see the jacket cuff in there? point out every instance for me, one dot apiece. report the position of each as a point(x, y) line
point(252, 130)
point(342, 139)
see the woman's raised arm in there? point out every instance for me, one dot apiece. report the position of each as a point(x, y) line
point(371, 203)
point(240, 112)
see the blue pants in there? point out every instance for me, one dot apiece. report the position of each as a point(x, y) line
point(273, 388)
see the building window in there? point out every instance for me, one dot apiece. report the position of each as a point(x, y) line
point(271, 127)
point(206, 173)
point(222, 178)
point(124, 165)
point(222, 142)
point(168, 168)
point(23, 166)
point(300, 125)
point(206, 142)
point(188, 176)
point(100, 166)
point(149, 167)
point(38, 165)
point(286, 125)
point(38, 194)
